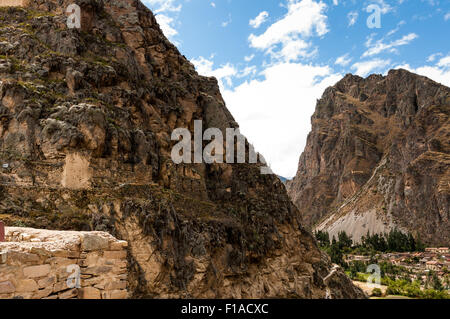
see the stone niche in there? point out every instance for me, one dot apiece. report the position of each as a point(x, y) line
point(44, 264)
point(77, 172)
point(13, 3)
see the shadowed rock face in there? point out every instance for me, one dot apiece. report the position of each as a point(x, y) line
point(86, 118)
point(378, 158)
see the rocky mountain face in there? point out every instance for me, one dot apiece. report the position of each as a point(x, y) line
point(378, 158)
point(86, 117)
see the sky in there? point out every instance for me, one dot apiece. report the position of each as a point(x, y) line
point(274, 58)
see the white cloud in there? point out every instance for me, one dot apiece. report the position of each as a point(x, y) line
point(365, 67)
point(224, 73)
point(396, 29)
point(305, 18)
point(249, 58)
point(259, 20)
point(249, 70)
point(437, 74)
point(164, 10)
point(352, 18)
point(274, 113)
point(165, 22)
point(444, 62)
point(379, 46)
point(343, 60)
point(385, 8)
point(293, 50)
point(213, 4)
point(447, 17)
point(227, 22)
point(335, 2)
point(159, 6)
point(440, 72)
point(433, 57)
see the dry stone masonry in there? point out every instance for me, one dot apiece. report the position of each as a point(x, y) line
point(13, 3)
point(43, 264)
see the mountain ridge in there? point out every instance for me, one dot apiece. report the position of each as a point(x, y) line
point(377, 158)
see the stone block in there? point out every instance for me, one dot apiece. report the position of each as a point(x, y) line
point(36, 271)
point(41, 252)
point(91, 282)
point(91, 242)
point(13, 3)
point(43, 293)
point(96, 270)
point(66, 253)
point(47, 282)
point(116, 285)
point(116, 254)
point(115, 294)
point(119, 271)
point(15, 257)
point(91, 259)
point(72, 293)
point(7, 287)
point(3, 257)
point(118, 245)
point(27, 285)
point(89, 293)
point(60, 286)
point(60, 261)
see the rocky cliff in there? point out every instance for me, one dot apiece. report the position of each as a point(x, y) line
point(86, 117)
point(378, 158)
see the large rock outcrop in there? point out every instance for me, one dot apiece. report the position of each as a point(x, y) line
point(378, 158)
point(86, 118)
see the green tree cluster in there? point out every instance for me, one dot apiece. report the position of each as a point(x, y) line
point(394, 241)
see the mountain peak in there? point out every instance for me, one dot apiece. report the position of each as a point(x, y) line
point(377, 158)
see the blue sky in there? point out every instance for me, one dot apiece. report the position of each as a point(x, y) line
point(274, 58)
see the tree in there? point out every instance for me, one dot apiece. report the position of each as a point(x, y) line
point(437, 285)
point(323, 238)
point(336, 254)
point(344, 240)
point(376, 292)
point(420, 246)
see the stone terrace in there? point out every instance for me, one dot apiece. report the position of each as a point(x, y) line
point(13, 3)
point(44, 264)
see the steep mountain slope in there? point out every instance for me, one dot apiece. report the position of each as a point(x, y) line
point(86, 118)
point(378, 158)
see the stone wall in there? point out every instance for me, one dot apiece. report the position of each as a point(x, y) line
point(43, 264)
point(13, 3)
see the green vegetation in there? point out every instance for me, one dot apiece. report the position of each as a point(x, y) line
point(413, 290)
point(337, 248)
point(395, 241)
point(377, 292)
point(396, 278)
